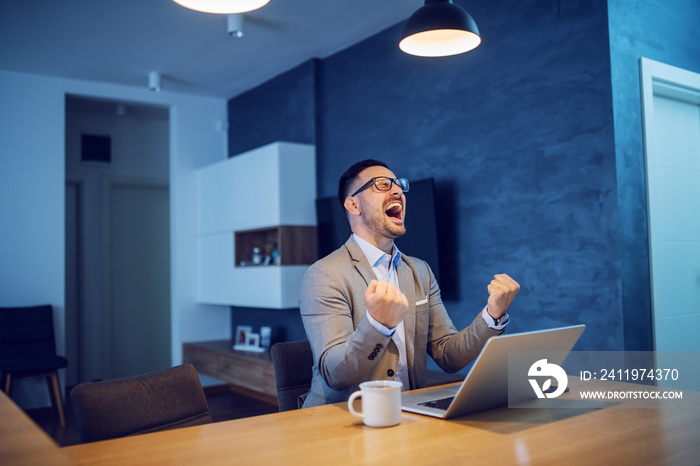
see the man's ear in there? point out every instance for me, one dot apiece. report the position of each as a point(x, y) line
point(352, 206)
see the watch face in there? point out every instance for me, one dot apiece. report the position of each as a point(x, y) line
point(502, 320)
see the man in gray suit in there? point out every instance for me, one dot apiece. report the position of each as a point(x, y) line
point(371, 313)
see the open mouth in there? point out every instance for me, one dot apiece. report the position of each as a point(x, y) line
point(394, 210)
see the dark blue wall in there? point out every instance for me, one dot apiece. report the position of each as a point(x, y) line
point(665, 31)
point(282, 109)
point(519, 138)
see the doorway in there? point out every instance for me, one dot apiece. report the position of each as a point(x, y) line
point(117, 239)
point(671, 105)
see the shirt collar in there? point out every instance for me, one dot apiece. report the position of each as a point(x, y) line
point(374, 254)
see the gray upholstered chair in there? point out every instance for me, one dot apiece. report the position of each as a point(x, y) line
point(293, 362)
point(162, 400)
point(28, 349)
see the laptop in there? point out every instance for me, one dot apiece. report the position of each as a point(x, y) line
point(486, 386)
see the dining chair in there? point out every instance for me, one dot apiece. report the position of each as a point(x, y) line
point(162, 400)
point(28, 349)
point(293, 363)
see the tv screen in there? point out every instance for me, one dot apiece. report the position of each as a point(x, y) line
point(420, 239)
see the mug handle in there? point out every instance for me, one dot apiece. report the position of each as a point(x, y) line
point(351, 409)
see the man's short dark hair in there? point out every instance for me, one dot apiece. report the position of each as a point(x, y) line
point(351, 173)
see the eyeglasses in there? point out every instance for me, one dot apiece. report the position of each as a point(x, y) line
point(384, 183)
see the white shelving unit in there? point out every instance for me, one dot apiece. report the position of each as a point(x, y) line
point(266, 188)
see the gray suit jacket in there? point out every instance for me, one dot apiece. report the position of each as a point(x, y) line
point(347, 350)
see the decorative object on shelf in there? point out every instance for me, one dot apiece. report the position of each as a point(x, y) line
point(269, 247)
point(265, 337)
point(242, 332)
point(439, 29)
point(257, 258)
point(276, 256)
point(246, 340)
point(253, 340)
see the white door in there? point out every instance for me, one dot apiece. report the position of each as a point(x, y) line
point(672, 144)
point(138, 322)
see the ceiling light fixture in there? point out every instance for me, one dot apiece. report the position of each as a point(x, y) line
point(438, 29)
point(154, 81)
point(235, 25)
point(222, 6)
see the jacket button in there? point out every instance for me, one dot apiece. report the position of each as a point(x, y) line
point(379, 346)
point(390, 372)
point(371, 357)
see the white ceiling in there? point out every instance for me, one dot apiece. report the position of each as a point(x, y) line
point(121, 41)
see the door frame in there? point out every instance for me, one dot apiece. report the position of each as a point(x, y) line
point(76, 321)
point(663, 80)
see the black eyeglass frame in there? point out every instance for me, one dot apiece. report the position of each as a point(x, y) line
point(400, 182)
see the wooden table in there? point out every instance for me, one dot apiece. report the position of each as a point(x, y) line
point(22, 442)
point(664, 435)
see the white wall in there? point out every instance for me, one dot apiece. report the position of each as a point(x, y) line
point(32, 190)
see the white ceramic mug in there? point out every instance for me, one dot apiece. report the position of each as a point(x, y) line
point(381, 403)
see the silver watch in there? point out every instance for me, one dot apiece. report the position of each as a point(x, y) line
point(501, 320)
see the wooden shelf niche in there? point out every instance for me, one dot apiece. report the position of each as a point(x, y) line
point(296, 245)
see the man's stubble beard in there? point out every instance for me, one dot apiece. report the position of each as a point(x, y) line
point(379, 224)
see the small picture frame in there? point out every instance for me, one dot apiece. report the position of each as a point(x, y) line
point(246, 340)
point(254, 340)
point(265, 337)
point(242, 332)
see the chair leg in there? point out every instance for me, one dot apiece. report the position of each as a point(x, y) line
point(8, 384)
point(55, 389)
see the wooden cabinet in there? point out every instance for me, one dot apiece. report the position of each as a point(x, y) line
point(218, 359)
point(266, 196)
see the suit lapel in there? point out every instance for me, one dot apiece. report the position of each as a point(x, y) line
point(359, 261)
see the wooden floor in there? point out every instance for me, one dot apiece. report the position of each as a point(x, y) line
point(225, 402)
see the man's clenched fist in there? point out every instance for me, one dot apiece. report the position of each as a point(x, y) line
point(386, 303)
point(502, 290)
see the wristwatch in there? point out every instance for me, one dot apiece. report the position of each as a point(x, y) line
point(501, 320)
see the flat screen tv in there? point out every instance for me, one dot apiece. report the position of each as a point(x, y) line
point(420, 239)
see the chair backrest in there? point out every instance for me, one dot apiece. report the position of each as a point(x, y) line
point(27, 332)
point(293, 363)
point(161, 400)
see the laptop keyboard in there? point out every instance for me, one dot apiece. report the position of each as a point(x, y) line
point(442, 403)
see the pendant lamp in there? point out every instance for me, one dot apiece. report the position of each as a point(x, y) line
point(438, 29)
point(222, 6)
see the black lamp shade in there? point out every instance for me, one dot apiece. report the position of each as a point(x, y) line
point(439, 28)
